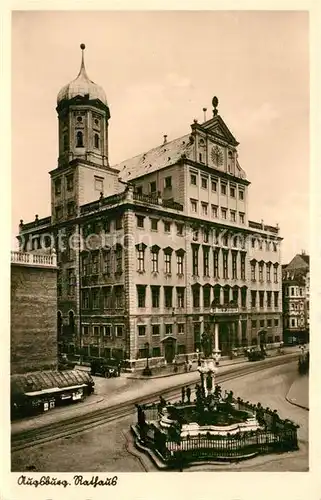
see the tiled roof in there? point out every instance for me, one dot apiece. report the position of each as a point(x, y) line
point(306, 258)
point(154, 159)
point(38, 381)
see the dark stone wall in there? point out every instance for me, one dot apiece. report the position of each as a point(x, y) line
point(33, 318)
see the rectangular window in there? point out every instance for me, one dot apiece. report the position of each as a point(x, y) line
point(206, 296)
point(241, 194)
point(276, 300)
point(233, 215)
point(253, 271)
point(141, 330)
point(269, 299)
point(155, 261)
point(71, 282)
point(139, 189)
point(234, 265)
point(156, 352)
point(168, 295)
point(261, 299)
point(70, 182)
point(214, 211)
point(225, 265)
point(152, 187)
point(119, 259)
point(196, 296)
point(216, 260)
point(107, 331)
point(85, 266)
point(107, 262)
point(195, 260)
point(180, 263)
point(223, 189)
point(58, 212)
point(204, 208)
point(58, 187)
point(232, 192)
point(168, 263)
point(274, 247)
point(206, 235)
point(96, 331)
point(119, 297)
point(168, 329)
point(262, 323)
point(253, 298)
point(168, 182)
point(95, 263)
point(140, 221)
point(119, 329)
point(180, 297)
point(243, 297)
point(269, 323)
point(180, 228)
point(154, 223)
point(204, 183)
point(224, 213)
point(242, 266)
point(194, 206)
point(140, 259)
point(254, 323)
point(275, 271)
point(155, 296)
point(95, 298)
point(276, 322)
point(141, 295)
point(206, 268)
point(268, 272)
point(193, 179)
point(242, 217)
point(225, 241)
point(167, 227)
point(214, 185)
point(155, 330)
point(195, 234)
point(107, 298)
point(181, 328)
point(261, 265)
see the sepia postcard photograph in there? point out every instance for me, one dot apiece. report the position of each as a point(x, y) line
point(160, 246)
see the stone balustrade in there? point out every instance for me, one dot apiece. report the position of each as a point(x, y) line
point(33, 259)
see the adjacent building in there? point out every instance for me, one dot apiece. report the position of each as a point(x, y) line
point(156, 250)
point(33, 312)
point(296, 299)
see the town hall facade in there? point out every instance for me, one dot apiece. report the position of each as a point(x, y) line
point(156, 250)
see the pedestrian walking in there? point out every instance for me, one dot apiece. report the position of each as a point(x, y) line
point(190, 365)
point(183, 394)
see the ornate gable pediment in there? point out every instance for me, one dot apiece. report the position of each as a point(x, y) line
point(218, 128)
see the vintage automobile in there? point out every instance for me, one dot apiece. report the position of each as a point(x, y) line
point(256, 354)
point(107, 367)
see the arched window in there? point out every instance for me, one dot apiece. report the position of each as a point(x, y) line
point(72, 321)
point(96, 141)
point(80, 140)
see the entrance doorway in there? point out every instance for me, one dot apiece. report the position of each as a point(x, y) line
point(169, 348)
point(226, 338)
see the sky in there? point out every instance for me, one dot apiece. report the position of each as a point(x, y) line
point(159, 69)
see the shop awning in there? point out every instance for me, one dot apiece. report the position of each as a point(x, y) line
point(47, 382)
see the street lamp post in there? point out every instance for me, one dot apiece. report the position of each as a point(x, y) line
point(147, 371)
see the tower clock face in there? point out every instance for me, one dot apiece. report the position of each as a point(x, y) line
point(217, 156)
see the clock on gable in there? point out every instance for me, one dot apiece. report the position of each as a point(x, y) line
point(217, 156)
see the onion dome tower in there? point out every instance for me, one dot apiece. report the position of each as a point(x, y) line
point(83, 115)
point(83, 171)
